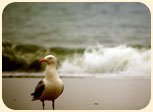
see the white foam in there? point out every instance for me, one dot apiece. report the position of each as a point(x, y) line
point(122, 60)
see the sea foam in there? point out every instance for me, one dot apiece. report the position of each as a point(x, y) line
point(121, 60)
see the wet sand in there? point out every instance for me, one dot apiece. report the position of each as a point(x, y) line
point(80, 94)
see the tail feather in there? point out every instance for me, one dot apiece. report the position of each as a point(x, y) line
point(33, 94)
point(33, 99)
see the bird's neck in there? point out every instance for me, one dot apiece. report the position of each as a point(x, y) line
point(51, 72)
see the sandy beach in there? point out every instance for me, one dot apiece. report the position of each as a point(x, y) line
point(80, 94)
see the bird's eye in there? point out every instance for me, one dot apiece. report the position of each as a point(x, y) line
point(50, 58)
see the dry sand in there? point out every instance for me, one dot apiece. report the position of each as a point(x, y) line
point(80, 94)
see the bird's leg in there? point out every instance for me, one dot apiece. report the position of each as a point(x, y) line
point(43, 104)
point(53, 105)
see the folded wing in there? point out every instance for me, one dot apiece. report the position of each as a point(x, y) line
point(38, 90)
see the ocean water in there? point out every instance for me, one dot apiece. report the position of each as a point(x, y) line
point(89, 39)
point(77, 24)
point(94, 61)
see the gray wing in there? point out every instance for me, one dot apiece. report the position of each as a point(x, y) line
point(38, 90)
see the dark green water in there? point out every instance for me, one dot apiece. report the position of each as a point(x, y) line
point(25, 57)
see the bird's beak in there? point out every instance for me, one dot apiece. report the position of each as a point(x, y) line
point(42, 60)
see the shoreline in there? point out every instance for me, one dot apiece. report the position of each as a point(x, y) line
point(77, 75)
point(82, 77)
point(44, 77)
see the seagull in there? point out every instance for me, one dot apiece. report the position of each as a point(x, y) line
point(51, 87)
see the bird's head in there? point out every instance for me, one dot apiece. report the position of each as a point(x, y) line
point(50, 59)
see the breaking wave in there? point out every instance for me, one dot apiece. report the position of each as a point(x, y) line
point(93, 61)
point(109, 60)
